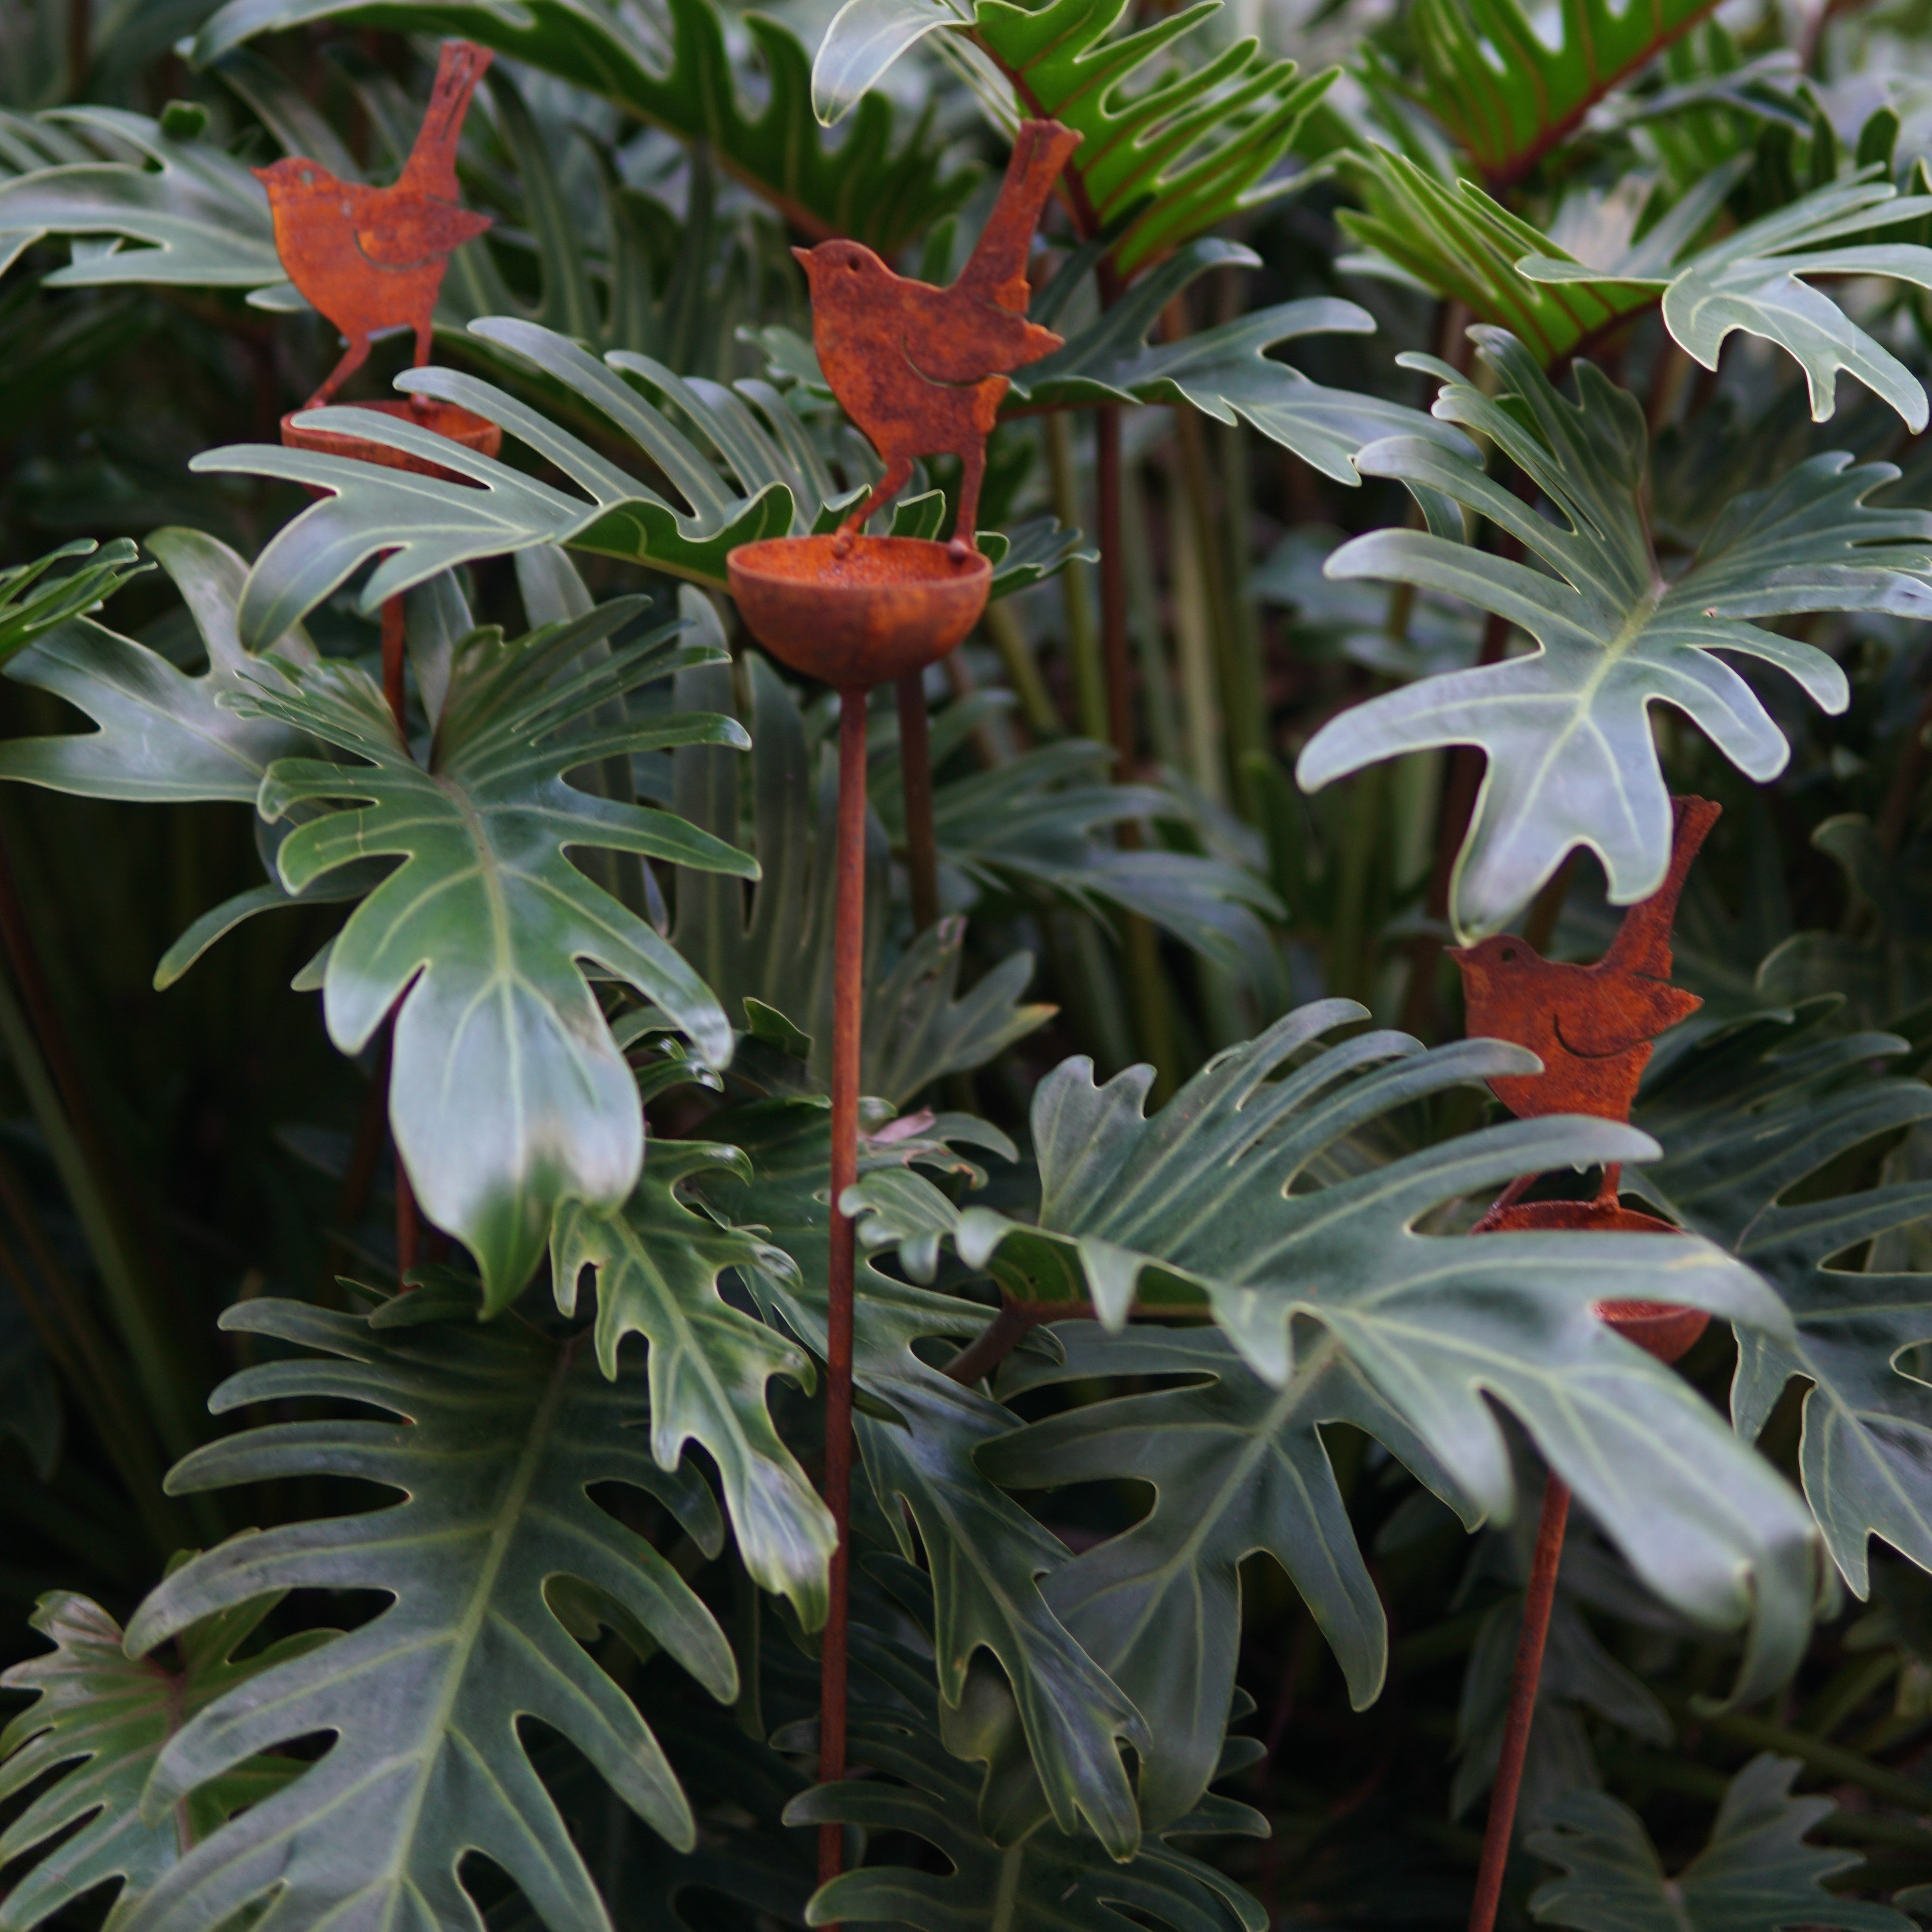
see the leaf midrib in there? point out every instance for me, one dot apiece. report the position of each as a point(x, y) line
point(509, 1516)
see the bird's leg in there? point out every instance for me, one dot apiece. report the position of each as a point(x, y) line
point(966, 523)
point(1611, 1185)
point(425, 330)
point(353, 359)
point(898, 472)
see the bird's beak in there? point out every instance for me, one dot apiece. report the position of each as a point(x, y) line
point(1458, 953)
point(804, 257)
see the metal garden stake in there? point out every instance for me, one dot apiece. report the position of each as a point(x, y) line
point(372, 258)
point(1592, 1026)
point(921, 370)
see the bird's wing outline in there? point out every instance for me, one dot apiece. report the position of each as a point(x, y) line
point(415, 231)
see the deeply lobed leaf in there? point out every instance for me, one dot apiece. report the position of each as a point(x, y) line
point(1565, 729)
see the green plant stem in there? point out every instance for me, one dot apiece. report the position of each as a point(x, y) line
point(1243, 711)
point(1083, 642)
point(1022, 669)
point(1861, 1678)
point(1157, 712)
point(79, 1353)
point(149, 1346)
point(1832, 1760)
point(1113, 590)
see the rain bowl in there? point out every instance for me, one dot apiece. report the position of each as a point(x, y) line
point(885, 606)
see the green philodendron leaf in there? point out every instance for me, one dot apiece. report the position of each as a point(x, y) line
point(1158, 163)
point(1507, 95)
point(656, 1263)
point(1234, 1196)
point(494, 1438)
point(1884, 966)
point(1744, 1118)
point(917, 1431)
point(507, 1095)
point(1237, 1466)
point(774, 947)
point(1051, 1881)
point(755, 475)
point(865, 186)
point(163, 735)
point(1457, 241)
point(1757, 1874)
point(199, 218)
point(32, 602)
point(1566, 729)
point(1224, 372)
point(100, 1719)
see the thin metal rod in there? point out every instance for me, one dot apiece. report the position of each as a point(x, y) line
point(916, 786)
point(1536, 1608)
point(848, 965)
point(392, 665)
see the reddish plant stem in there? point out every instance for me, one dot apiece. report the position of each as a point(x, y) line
point(848, 962)
point(1536, 1608)
point(994, 1342)
point(393, 654)
point(915, 789)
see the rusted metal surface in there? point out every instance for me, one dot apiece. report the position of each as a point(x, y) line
point(1538, 1602)
point(1591, 1026)
point(921, 370)
point(373, 258)
point(848, 967)
point(1658, 1327)
point(864, 613)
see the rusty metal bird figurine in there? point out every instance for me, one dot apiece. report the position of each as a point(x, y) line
point(373, 258)
point(1592, 1026)
point(921, 370)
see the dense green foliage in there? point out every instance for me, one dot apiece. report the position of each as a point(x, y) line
point(490, 1597)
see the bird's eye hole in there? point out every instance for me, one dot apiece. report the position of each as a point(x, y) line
point(1509, 953)
point(853, 266)
point(308, 179)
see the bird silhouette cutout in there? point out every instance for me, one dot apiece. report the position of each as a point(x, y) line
point(921, 370)
point(1592, 1026)
point(373, 258)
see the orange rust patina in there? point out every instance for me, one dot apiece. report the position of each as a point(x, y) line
point(923, 371)
point(1591, 1026)
point(854, 614)
point(373, 258)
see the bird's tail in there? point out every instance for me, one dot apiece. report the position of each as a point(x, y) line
point(996, 271)
point(1642, 943)
point(431, 166)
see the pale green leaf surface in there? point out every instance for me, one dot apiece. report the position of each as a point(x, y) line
point(1226, 1196)
point(509, 1095)
point(1237, 1466)
point(1225, 371)
point(864, 38)
point(655, 1265)
point(1566, 729)
point(868, 185)
point(100, 1719)
point(1745, 1117)
point(1757, 1874)
point(773, 946)
point(494, 1438)
point(163, 735)
point(200, 218)
point(1052, 1881)
point(986, 1555)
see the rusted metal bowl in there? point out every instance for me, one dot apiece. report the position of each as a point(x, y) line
point(1661, 1328)
point(460, 425)
point(886, 606)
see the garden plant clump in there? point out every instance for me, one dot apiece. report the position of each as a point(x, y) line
point(1390, 1351)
